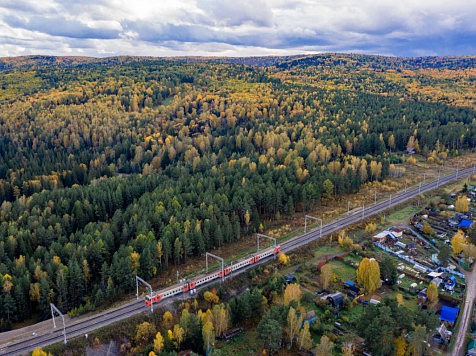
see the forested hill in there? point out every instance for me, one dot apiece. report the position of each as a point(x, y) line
point(379, 62)
point(282, 62)
point(130, 166)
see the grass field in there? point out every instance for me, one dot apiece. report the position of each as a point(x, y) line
point(344, 272)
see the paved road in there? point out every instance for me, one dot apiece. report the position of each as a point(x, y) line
point(127, 310)
point(459, 346)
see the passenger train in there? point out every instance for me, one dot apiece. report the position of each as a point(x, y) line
point(199, 280)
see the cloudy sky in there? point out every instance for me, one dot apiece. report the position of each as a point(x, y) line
point(237, 27)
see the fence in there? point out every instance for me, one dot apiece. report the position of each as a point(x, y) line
point(419, 266)
point(458, 274)
point(409, 260)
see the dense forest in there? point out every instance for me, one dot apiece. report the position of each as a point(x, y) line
point(111, 168)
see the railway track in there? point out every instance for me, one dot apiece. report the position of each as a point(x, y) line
point(108, 317)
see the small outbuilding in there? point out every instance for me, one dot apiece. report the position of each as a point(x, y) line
point(465, 223)
point(397, 232)
point(472, 348)
point(290, 278)
point(449, 314)
point(380, 237)
point(450, 283)
point(335, 300)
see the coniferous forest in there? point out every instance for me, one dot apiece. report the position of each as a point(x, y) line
point(115, 167)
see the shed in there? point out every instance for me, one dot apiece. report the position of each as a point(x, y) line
point(397, 232)
point(411, 246)
point(290, 278)
point(472, 348)
point(437, 281)
point(450, 283)
point(400, 244)
point(354, 287)
point(449, 314)
point(309, 317)
point(419, 267)
point(230, 333)
point(380, 237)
point(374, 301)
point(335, 299)
point(465, 223)
point(435, 274)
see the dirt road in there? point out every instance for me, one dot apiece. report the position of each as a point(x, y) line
point(459, 346)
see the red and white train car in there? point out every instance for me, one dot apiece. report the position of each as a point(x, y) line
point(198, 281)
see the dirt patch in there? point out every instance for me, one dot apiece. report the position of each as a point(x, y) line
point(110, 349)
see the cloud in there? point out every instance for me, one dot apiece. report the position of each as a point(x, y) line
point(59, 26)
point(234, 28)
point(236, 13)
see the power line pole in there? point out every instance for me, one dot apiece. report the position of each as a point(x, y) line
point(312, 217)
point(138, 279)
point(259, 236)
point(53, 310)
point(222, 264)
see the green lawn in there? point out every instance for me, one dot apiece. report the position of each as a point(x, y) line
point(401, 215)
point(322, 251)
point(344, 272)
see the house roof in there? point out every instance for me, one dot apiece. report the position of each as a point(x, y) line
point(472, 345)
point(449, 314)
point(465, 223)
point(397, 230)
point(337, 297)
point(452, 279)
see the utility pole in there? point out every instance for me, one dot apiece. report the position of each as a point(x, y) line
point(457, 169)
point(138, 279)
point(258, 236)
point(375, 197)
point(348, 207)
point(405, 186)
point(363, 211)
point(390, 201)
point(222, 264)
point(438, 180)
point(312, 217)
point(53, 310)
point(424, 178)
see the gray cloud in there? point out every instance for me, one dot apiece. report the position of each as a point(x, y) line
point(59, 26)
point(232, 27)
point(237, 13)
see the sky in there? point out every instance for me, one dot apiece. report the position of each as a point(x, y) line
point(103, 28)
